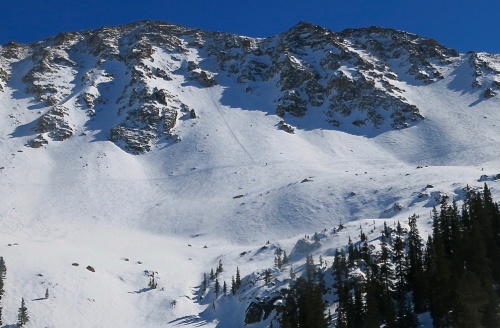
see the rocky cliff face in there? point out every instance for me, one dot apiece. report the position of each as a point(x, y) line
point(130, 77)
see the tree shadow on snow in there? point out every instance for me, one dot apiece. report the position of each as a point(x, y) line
point(190, 320)
point(140, 291)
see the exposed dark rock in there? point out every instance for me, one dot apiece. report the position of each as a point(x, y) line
point(162, 74)
point(134, 140)
point(191, 66)
point(169, 121)
point(161, 96)
point(292, 103)
point(205, 79)
point(285, 127)
point(54, 124)
point(489, 93)
point(260, 310)
point(90, 268)
point(37, 142)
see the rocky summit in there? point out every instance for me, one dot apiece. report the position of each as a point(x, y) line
point(355, 78)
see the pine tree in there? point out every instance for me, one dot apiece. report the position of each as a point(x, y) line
point(310, 271)
point(267, 276)
point(304, 306)
point(238, 279)
point(217, 287)
point(212, 274)
point(285, 258)
point(365, 253)
point(152, 282)
point(3, 268)
point(2, 291)
point(400, 268)
point(278, 262)
point(471, 300)
point(415, 266)
point(406, 317)
point(372, 314)
point(224, 288)
point(46, 293)
point(321, 280)
point(386, 271)
point(351, 256)
point(204, 284)
point(22, 314)
point(219, 267)
point(233, 286)
point(358, 309)
point(292, 274)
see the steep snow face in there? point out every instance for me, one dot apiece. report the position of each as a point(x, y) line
point(135, 141)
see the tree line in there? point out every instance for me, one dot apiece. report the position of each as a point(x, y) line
point(454, 275)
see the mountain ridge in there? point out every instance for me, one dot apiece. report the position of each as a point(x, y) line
point(177, 148)
point(352, 86)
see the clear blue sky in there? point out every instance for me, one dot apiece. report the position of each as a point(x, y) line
point(463, 25)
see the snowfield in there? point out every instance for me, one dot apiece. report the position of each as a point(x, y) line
point(232, 183)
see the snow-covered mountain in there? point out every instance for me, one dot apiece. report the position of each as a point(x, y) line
point(152, 147)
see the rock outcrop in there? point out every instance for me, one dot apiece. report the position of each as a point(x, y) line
point(131, 76)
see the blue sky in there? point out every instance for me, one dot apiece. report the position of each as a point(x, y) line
point(463, 25)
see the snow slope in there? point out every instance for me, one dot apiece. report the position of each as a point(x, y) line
point(232, 183)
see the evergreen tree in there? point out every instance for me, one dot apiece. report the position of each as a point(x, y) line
point(358, 309)
point(343, 306)
point(321, 279)
point(233, 286)
point(217, 287)
point(415, 266)
point(304, 306)
point(22, 314)
point(365, 253)
point(3, 268)
point(292, 274)
point(471, 300)
point(372, 314)
point(267, 276)
point(238, 279)
point(152, 282)
point(47, 293)
point(351, 257)
point(387, 309)
point(400, 268)
point(285, 258)
point(219, 267)
point(386, 271)
point(310, 270)
point(2, 291)
point(204, 283)
point(406, 317)
point(278, 262)
point(224, 288)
